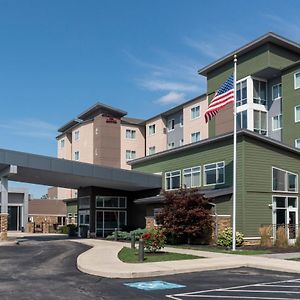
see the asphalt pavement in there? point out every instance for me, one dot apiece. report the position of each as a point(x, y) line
point(42, 268)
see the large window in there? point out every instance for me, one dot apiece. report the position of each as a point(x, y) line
point(241, 119)
point(241, 93)
point(111, 202)
point(259, 92)
point(171, 124)
point(192, 177)
point(297, 143)
point(214, 173)
point(76, 135)
point(195, 112)
point(130, 154)
point(151, 150)
point(276, 92)
point(284, 181)
point(152, 129)
point(277, 122)
point(297, 80)
point(173, 180)
point(260, 122)
point(130, 134)
point(195, 137)
point(297, 113)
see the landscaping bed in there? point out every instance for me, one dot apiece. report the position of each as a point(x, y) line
point(129, 255)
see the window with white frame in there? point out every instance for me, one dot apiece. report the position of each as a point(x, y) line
point(76, 155)
point(276, 92)
point(111, 202)
point(241, 119)
point(181, 142)
point(297, 80)
point(173, 180)
point(171, 145)
point(277, 122)
point(151, 150)
point(195, 137)
point(76, 135)
point(62, 143)
point(191, 177)
point(259, 92)
point(260, 122)
point(130, 134)
point(195, 112)
point(151, 129)
point(297, 143)
point(171, 124)
point(214, 173)
point(297, 113)
point(241, 93)
point(284, 181)
point(130, 154)
point(181, 120)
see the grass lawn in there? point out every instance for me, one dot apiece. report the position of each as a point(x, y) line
point(222, 250)
point(128, 255)
point(295, 259)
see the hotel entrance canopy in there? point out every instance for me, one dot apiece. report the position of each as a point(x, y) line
point(45, 170)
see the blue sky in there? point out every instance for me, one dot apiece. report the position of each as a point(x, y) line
point(59, 57)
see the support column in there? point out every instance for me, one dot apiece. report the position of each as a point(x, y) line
point(4, 209)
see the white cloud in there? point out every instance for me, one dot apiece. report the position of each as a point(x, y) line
point(171, 98)
point(163, 85)
point(31, 128)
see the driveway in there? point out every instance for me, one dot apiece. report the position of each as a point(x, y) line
point(39, 268)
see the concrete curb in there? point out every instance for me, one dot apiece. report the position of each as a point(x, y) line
point(102, 260)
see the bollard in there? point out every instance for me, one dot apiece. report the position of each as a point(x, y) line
point(116, 234)
point(132, 241)
point(141, 250)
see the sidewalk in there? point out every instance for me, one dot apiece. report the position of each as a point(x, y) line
point(102, 260)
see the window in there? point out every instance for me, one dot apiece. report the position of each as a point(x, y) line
point(276, 92)
point(111, 202)
point(130, 154)
point(195, 112)
point(76, 135)
point(173, 180)
point(181, 142)
point(259, 92)
point(171, 145)
point(214, 173)
point(297, 143)
point(260, 122)
point(297, 113)
point(156, 212)
point(96, 131)
point(195, 137)
point(151, 129)
point(84, 218)
point(62, 143)
point(241, 93)
point(151, 150)
point(171, 124)
point(76, 155)
point(284, 181)
point(241, 119)
point(297, 80)
point(277, 122)
point(130, 134)
point(192, 177)
point(181, 120)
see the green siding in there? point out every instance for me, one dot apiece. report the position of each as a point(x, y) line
point(290, 99)
point(72, 208)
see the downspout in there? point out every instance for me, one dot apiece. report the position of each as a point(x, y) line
point(216, 219)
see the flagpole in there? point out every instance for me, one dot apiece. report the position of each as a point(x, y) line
point(234, 161)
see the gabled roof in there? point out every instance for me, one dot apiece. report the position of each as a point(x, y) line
point(133, 121)
point(269, 37)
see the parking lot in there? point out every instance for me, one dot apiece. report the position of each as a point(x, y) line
point(46, 269)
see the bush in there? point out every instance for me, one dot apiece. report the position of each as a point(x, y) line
point(266, 236)
point(63, 230)
point(297, 243)
point(225, 238)
point(281, 238)
point(126, 236)
point(155, 239)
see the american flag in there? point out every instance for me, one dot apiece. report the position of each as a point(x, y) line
point(223, 96)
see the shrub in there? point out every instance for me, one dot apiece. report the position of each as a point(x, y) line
point(266, 236)
point(225, 238)
point(126, 236)
point(155, 239)
point(63, 229)
point(281, 237)
point(297, 243)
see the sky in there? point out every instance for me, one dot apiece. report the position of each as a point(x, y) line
point(59, 57)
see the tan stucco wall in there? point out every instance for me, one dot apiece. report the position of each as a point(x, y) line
point(190, 126)
point(66, 152)
point(159, 139)
point(137, 145)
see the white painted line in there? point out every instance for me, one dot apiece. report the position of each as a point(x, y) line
point(235, 297)
point(263, 291)
point(283, 286)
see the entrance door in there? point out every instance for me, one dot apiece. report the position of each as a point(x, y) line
point(14, 218)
